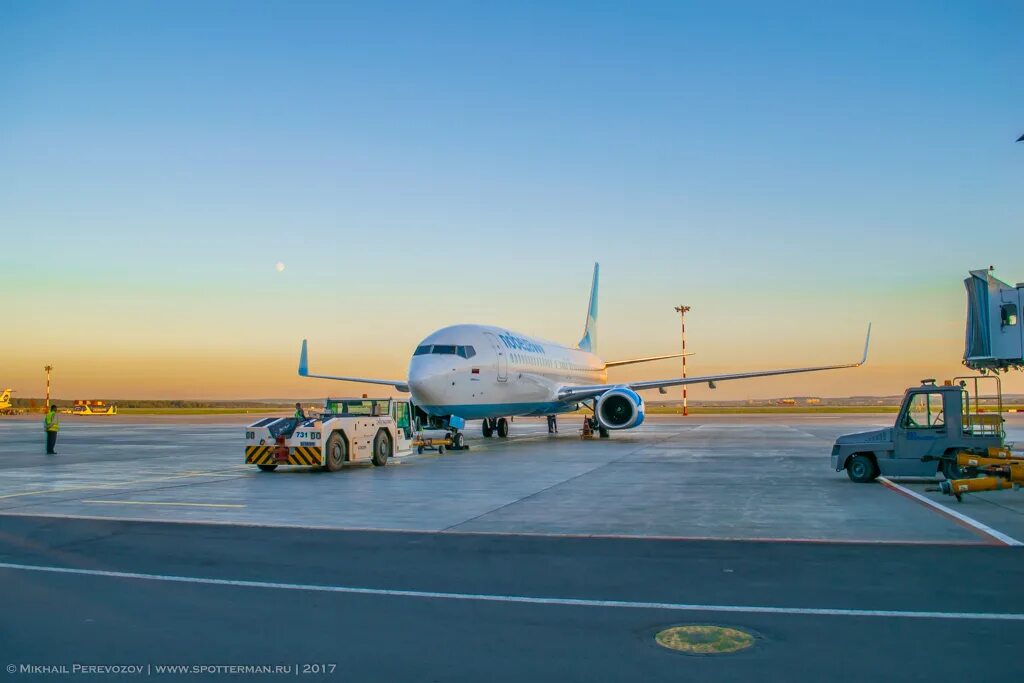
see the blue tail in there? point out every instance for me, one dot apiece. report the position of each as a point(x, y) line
point(589, 341)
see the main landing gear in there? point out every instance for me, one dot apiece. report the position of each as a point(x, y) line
point(596, 425)
point(490, 425)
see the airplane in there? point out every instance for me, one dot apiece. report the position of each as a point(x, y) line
point(5, 402)
point(488, 373)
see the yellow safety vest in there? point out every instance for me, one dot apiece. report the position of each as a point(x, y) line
point(51, 422)
point(299, 416)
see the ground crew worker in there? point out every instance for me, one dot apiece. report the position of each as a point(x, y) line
point(299, 415)
point(51, 423)
point(552, 424)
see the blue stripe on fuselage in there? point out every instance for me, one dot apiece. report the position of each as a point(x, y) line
point(478, 412)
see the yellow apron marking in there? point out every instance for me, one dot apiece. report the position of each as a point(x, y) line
point(704, 640)
point(145, 502)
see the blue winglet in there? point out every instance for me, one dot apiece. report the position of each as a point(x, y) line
point(589, 340)
point(867, 343)
point(303, 361)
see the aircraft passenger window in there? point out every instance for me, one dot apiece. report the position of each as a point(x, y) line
point(422, 350)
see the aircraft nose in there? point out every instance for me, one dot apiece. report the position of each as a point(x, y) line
point(427, 381)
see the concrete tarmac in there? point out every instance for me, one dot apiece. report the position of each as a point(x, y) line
point(759, 477)
point(537, 557)
point(454, 634)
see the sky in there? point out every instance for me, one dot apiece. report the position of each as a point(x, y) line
point(791, 171)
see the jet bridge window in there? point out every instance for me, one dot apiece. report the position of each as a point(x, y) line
point(1008, 315)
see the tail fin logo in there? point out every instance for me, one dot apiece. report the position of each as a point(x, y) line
point(589, 340)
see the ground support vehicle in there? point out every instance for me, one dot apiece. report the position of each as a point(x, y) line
point(1002, 469)
point(435, 439)
point(93, 408)
point(348, 430)
point(934, 425)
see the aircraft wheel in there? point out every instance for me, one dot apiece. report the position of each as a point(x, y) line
point(861, 469)
point(440, 449)
point(458, 441)
point(419, 450)
point(267, 468)
point(502, 427)
point(336, 452)
point(488, 428)
point(381, 448)
point(602, 432)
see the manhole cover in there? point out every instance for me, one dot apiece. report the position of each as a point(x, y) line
point(704, 640)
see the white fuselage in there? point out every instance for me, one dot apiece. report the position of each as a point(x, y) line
point(478, 371)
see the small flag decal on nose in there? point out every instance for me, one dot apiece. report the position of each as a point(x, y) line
point(476, 371)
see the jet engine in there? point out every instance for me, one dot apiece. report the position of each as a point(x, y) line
point(620, 408)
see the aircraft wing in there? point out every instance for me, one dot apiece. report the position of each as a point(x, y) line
point(580, 393)
point(400, 384)
point(648, 359)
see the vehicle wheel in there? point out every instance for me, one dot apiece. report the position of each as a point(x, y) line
point(861, 469)
point(488, 428)
point(336, 452)
point(440, 450)
point(381, 448)
point(502, 427)
point(951, 470)
point(267, 468)
point(419, 450)
point(458, 441)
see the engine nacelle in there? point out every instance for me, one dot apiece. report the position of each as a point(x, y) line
point(620, 408)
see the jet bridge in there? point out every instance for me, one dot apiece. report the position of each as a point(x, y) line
point(995, 333)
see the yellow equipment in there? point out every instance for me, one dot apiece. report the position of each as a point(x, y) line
point(93, 408)
point(1003, 469)
point(432, 440)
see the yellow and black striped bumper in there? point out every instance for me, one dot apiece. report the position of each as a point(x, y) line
point(297, 455)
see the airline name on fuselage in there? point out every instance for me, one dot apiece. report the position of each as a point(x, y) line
point(520, 344)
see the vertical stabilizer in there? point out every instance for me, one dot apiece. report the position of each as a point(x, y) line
point(589, 340)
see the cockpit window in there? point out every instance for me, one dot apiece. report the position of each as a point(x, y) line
point(445, 350)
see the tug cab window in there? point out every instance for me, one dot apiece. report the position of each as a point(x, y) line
point(924, 412)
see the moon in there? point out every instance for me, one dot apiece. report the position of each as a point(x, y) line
point(279, 267)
